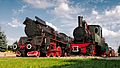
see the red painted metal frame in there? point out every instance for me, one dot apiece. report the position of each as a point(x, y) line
point(33, 53)
point(18, 53)
point(82, 46)
point(51, 51)
point(94, 51)
point(55, 51)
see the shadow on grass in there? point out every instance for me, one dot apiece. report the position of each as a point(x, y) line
point(89, 63)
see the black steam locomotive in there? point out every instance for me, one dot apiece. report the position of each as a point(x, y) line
point(42, 40)
point(88, 39)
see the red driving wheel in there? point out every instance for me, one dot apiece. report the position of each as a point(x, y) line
point(59, 51)
point(54, 54)
point(48, 54)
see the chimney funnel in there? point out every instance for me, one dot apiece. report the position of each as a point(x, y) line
point(80, 21)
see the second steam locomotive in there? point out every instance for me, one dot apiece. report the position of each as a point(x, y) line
point(43, 40)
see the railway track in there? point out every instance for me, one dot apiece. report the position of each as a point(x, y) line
point(13, 55)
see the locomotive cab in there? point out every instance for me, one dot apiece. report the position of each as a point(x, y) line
point(100, 44)
point(96, 32)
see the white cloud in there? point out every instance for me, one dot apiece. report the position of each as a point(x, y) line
point(114, 11)
point(11, 40)
point(39, 3)
point(94, 12)
point(22, 9)
point(15, 23)
point(16, 12)
point(65, 10)
point(51, 25)
point(108, 19)
point(44, 4)
point(62, 7)
point(109, 33)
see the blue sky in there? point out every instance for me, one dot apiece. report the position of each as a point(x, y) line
point(62, 15)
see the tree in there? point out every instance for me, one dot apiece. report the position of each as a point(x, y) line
point(119, 50)
point(3, 42)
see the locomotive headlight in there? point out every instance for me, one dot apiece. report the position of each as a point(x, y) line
point(29, 46)
point(14, 46)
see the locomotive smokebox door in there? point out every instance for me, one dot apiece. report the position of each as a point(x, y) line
point(80, 31)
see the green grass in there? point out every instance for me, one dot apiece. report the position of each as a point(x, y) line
point(57, 63)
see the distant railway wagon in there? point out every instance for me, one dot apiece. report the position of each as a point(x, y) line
point(43, 40)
